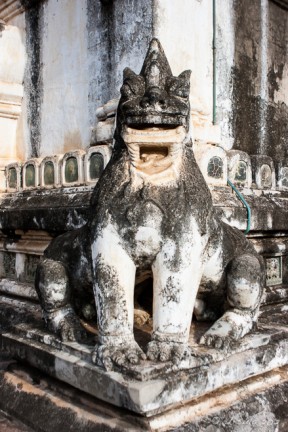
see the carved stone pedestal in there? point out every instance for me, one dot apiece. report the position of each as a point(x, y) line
point(168, 396)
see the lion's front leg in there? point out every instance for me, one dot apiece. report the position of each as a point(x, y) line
point(52, 285)
point(176, 282)
point(114, 280)
point(244, 292)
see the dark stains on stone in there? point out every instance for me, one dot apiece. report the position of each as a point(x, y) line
point(274, 77)
point(172, 208)
point(107, 277)
point(118, 34)
point(247, 108)
point(111, 300)
point(27, 4)
point(99, 17)
point(258, 120)
point(171, 291)
point(264, 411)
point(33, 81)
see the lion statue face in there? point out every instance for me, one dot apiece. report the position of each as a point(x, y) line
point(153, 114)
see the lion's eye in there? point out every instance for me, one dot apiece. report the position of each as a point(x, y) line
point(133, 86)
point(178, 87)
point(126, 90)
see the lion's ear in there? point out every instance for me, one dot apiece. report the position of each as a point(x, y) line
point(128, 74)
point(185, 75)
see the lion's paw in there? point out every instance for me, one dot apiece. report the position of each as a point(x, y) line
point(120, 355)
point(68, 327)
point(141, 317)
point(232, 326)
point(168, 351)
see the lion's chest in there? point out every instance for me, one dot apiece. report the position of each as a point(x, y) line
point(145, 220)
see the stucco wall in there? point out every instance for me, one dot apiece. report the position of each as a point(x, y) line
point(77, 51)
point(185, 31)
point(65, 75)
point(12, 66)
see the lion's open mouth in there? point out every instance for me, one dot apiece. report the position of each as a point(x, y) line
point(153, 149)
point(148, 153)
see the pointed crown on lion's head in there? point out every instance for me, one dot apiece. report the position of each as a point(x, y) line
point(154, 98)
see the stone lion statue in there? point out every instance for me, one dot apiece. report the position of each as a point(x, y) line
point(152, 210)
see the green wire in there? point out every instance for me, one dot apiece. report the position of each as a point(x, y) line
point(240, 196)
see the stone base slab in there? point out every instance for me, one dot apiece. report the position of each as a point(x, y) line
point(149, 388)
point(258, 404)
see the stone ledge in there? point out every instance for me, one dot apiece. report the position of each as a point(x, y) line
point(57, 406)
point(65, 209)
point(150, 388)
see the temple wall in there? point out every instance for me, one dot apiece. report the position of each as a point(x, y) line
point(61, 68)
point(60, 75)
point(65, 77)
point(73, 54)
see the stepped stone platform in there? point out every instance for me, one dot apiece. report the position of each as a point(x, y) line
point(149, 389)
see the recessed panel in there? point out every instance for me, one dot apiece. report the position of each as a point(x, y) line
point(12, 178)
point(96, 165)
point(215, 167)
point(274, 271)
point(241, 172)
point(71, 170)
point(30, 175)
point(49, 173)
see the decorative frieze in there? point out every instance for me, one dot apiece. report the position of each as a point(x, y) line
point(282, 174)
point(71, 167)
point(74, 168)
point(20, 257)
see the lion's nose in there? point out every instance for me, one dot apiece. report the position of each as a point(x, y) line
point(152, 97)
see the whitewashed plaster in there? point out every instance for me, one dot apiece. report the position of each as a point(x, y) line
point(225, 53)
point(12, 66)
point(64, 121)
point(185, 32)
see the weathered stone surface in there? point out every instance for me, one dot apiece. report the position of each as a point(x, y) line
point(152, 211)
point(9, 424)
point(258, 404)
point(59, 210)
point(150, 387)
point(54, 210)
point(259, 115)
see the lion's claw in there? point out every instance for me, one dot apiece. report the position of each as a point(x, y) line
point(68, 328)
point(120, 355)
point(167, 351)
point(232, 326)
point(71, 330)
